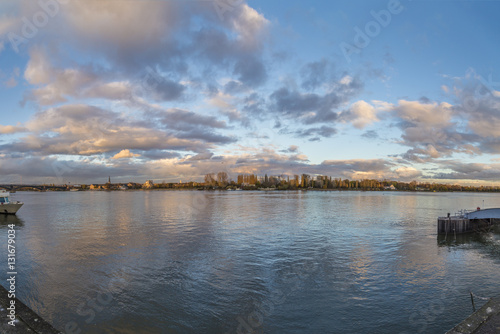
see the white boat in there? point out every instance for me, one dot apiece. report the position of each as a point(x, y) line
point(6, 206)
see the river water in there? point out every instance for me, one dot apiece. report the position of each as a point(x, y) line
point(236, 262)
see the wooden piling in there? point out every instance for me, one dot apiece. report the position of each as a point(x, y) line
point(455, 225)
point(460, 224)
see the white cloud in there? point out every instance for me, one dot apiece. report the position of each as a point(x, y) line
point(361, 114)
point(250, 26)
point(9, 129)
point(430, 114)
point(39, 70)
point(346, 80)
point(407, 173)
point(123, 154)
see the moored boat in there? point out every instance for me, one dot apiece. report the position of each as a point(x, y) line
point(6, 206)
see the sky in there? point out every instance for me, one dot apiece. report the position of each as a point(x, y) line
point(171, 90)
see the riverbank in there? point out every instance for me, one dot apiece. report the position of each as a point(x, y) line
point(486, 320)
point(259, 189)
point(26, 320)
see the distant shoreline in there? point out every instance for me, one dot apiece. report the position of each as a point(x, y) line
point(264, 190)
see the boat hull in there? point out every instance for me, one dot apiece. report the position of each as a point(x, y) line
point(10, 208)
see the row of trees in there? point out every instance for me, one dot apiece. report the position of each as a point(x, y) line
point(306, 181)
point(220, 179)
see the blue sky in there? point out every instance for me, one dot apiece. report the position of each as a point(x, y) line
point(172, 90)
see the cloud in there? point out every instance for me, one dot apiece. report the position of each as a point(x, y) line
point(428, 114)
point(172, 166)
point(88, 130)
point(360, 114)
point(250, 71)
point(291, 149)
point(54, 170)
point(120, 29)
point(157, 154)
point(372, 169)
point(167, 90)
point(164, 32)
point(438, 130)
point(432, 130)
point(39, 69)
point(406, 173)
point(314, 74)
point(201, 156)
point(10, 129)
point(55, 85)
point(312, 108)
point(371, 134)
point(484, 119)
point(123, 154)
point(7, 24)
point(111, 90)
point(234, 87)
point(315, 134)
point(227, 106)
point(250, 25)
point(468, 171)
point(185, 120)
point(132, 39)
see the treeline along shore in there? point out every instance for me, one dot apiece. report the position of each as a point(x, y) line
point(222, 181)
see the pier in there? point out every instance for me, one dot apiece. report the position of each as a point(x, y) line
point(485, 321)
point(26, 320)
point(469, 221)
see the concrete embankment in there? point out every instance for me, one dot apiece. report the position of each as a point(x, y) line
point(486, 320)
point(26, 321)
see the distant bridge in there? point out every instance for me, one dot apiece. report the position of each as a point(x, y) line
point(13, 187)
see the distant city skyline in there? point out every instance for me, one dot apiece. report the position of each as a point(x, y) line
point(173, 90)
